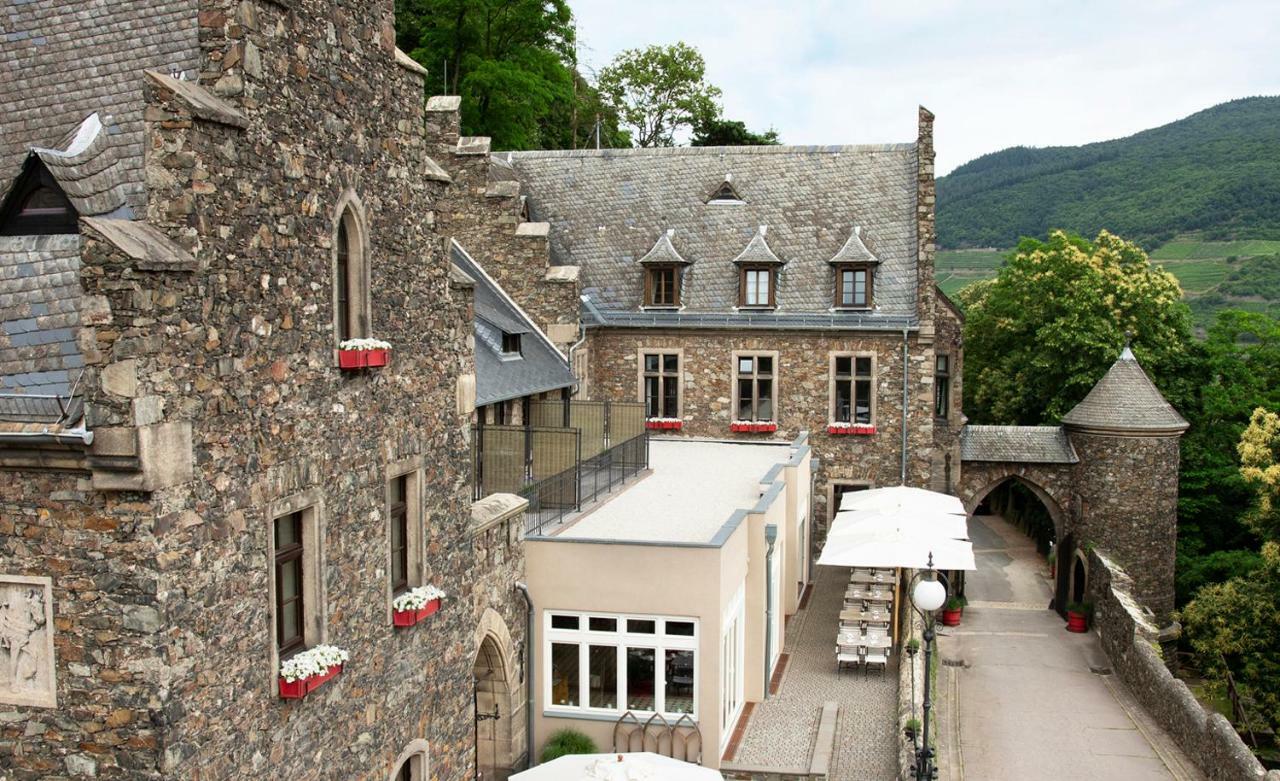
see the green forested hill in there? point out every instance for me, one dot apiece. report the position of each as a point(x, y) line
point(1215, 173)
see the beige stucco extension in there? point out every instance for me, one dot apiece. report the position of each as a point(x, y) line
point(647, 573)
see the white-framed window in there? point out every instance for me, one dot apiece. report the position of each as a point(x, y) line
point(609, 663)
point(732, 682)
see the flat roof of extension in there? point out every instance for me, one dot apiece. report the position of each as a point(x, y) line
point(694, 488)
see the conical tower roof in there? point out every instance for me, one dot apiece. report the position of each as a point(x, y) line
point(1125, 401)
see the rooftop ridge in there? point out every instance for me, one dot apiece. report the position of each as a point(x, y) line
point(664, 151)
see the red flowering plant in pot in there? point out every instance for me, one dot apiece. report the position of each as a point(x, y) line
point(306, 671)
point(356, 354)
point(1078, 616)
point(415, 604)
point(952, 611)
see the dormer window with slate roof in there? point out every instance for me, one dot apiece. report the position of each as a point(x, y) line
point(758, 274)
point(854, 267)
point(37, 206)
point(511, 345)
point(663, 268)
point(725, 194)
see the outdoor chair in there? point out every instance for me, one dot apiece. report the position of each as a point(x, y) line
point(878, 657)
point(845, 658)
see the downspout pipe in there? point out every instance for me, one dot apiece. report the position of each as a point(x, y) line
point(528, 672)
point(904, 406)
point(770, 537)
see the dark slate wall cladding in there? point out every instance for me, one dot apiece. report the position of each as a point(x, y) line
point(39, 313)
point(161, 601)
point(71, 59)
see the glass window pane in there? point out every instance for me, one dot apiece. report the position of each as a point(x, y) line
point(846, 288)
point(287, 530)
point(640, 678)
point(651, 363)
point(751, 287)
point(681, 628)
point(564, 622)
point(942, 364)
point(651, 397)
point(564, 674)
point(764, 406)
point(290, 620)
point(744, 400)
point(678, 688)
point(597, 624)
point(844, 366)
point(602, 672)
point(746, 365)
point(864, 366)
point(765, 364)
point(670, 399)
point(862, 401)
point(671, 363)
point(642, 627)
point(290, 579)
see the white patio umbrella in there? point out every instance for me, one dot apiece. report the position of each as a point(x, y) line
point(880, 549)
point(927, 524)
point(901, 498)
point(638, 766)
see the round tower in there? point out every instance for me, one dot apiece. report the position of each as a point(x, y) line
point(1128, 439)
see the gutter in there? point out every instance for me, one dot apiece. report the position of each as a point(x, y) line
point(582, 337)
point(72, 438)
point(903, 476)
point(529, 671)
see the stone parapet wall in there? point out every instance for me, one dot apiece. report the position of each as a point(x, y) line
point(1129, 638)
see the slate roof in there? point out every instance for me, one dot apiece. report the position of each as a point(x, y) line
point(62, 61)
point(1019, 444)
point(1126, 401)
point(498, 378)
point(39, 314)
point(87, 166)
point(608, 208)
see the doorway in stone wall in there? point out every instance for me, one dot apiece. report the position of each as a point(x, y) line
point(492, 695)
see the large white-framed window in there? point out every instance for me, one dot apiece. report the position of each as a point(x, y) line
point(609, 663)
point(732, 649)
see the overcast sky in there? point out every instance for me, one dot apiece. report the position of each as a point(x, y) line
point(996, 74)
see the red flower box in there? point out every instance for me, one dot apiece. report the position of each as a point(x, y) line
point(296, 690)
point(404, 618)
point(753, 428)
point(858, 429)
point(664, 425)
point(351, 360)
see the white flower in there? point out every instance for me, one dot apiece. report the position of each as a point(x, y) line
point(364, 344)
point(417, 598)
point(311, 662)
point(664, 420)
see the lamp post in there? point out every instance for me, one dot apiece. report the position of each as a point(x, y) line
point(927, 595)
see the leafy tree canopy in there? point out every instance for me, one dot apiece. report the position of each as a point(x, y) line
point(513, 63)
point(731, 132)
point(1260, 467)
point(1042, 332)
point(658, 91)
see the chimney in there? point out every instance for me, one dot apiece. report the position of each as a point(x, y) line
point(444, 123)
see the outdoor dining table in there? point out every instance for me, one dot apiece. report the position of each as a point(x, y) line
point(862, 593)
point(847, 640)
point(854, 615)
point(868, 578)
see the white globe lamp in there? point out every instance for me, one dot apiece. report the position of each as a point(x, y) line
point(928, 595)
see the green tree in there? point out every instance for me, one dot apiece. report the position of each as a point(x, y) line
point(1042, 332)
point(718, 131)
point(514, 64)
point(1260, 467)
point(658, 91)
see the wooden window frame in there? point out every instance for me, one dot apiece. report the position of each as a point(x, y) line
point(853, 379)
point(351, 272)
point(310, 504)
point(409, 470)
point(771, 274)
point(650, 290)
point(642, 376)
point(841, 270)
point(398, 512)
point(755, 387)
point(942, 386)
point(292, 554)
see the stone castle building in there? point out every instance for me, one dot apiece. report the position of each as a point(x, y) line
point(193, 487)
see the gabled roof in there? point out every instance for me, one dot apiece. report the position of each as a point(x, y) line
point(1017, 444)
point(86, 166)
point(854, 250)
point(499, 377)
point(663, 253)
point(1125, 401)
point(606, 206)
point(757, 252)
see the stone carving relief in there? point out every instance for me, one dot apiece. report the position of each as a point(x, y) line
point(26, 641)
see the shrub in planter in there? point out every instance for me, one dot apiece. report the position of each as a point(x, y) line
point(565, 742)
point(913, 645)
point(952, 611)
point(1078, 616)
point(912, 728)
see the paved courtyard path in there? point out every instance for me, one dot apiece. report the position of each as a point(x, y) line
point(782, 729)
point(1036, 702)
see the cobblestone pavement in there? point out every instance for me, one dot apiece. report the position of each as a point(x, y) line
point(1027, 703)
point(782, 728)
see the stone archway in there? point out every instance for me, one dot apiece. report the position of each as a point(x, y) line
point(494, 758)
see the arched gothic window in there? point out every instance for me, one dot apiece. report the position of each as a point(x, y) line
point(350, 277)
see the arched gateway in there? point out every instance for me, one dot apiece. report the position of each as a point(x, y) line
point(1108, 477)
point(499, 743)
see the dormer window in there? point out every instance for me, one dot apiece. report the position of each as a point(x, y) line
point(662, 286)
point(756, 287)
point(511, 345)
point(853, 286)
point(37, 206)
point(725, 194)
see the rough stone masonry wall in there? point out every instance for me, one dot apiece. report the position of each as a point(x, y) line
point(949, 340)
point(1129, 488)
point(802, 396)
point(1129, 639)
